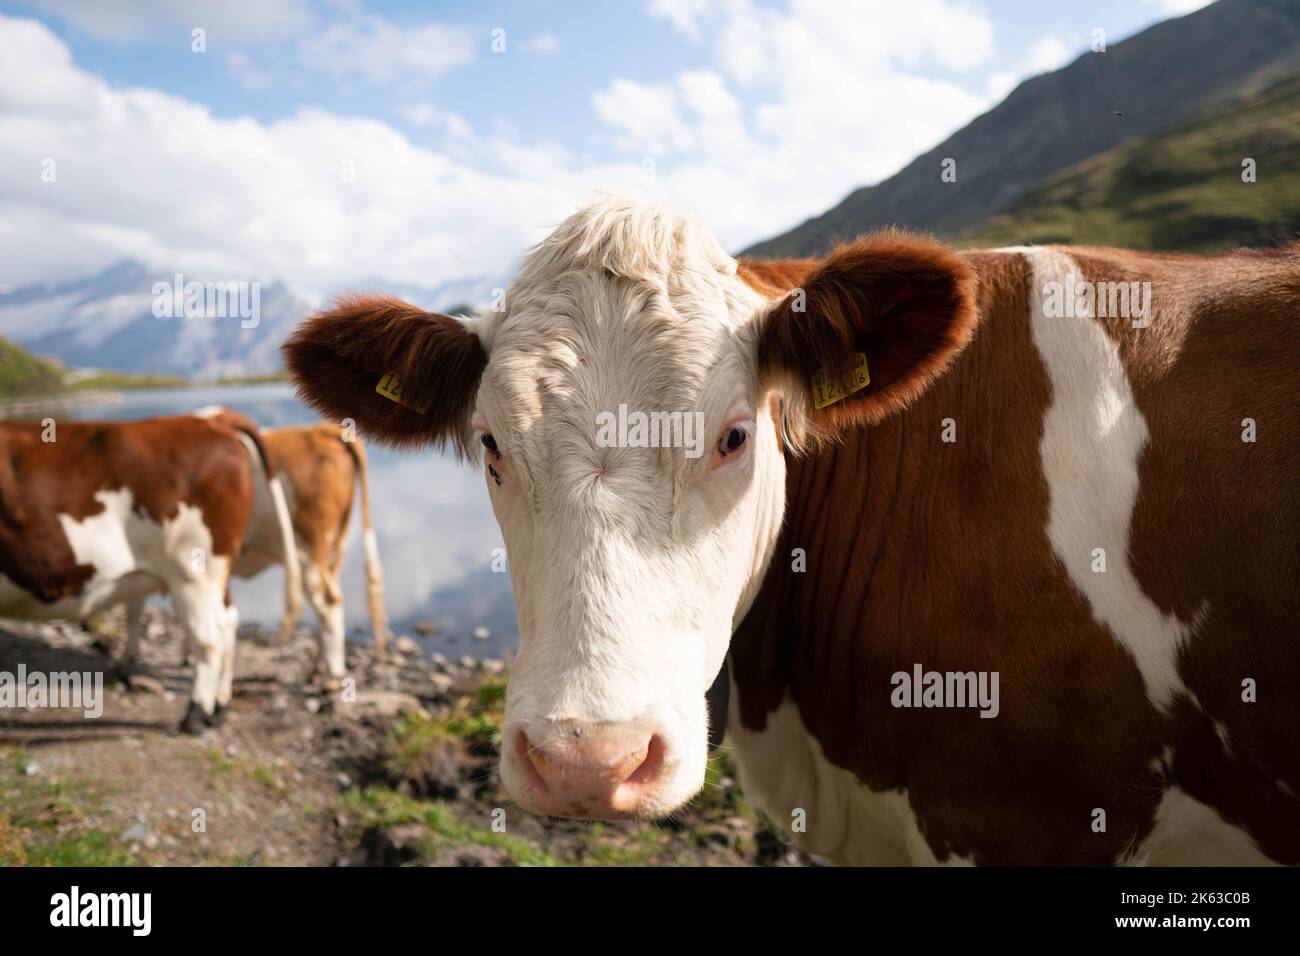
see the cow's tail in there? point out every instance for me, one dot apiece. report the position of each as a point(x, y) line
point(253, 438)
point(374, 573)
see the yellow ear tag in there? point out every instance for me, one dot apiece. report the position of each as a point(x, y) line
point(826, 392)
point(391, 390)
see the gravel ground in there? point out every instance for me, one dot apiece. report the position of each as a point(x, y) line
point(398, 771)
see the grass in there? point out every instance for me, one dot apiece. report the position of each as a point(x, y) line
point(53, 822)
point(476, 721)
point(280, 376)
point(121, 381)
point(444, 826)
point(225, 769)
point(23, 375)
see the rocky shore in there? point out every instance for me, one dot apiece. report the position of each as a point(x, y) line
point(399, 769)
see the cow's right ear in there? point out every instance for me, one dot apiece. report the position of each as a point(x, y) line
point(407, 377)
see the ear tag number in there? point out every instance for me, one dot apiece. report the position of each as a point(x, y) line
point(827, 392)
point(389, 388)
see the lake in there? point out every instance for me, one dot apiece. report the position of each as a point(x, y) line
point(431, 514)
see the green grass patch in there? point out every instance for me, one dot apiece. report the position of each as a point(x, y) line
point(53, 822)
point(224, 770)
point(122, 381)
point(476, 721)
point(381, 807)
point(23, 375)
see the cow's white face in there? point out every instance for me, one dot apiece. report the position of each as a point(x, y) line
point(630, 565)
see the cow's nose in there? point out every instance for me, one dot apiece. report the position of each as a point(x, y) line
point(592, 775)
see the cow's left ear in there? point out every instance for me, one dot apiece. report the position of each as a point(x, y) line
point(868, 332)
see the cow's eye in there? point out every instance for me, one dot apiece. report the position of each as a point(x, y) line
point(730, 445)
point(490, 443)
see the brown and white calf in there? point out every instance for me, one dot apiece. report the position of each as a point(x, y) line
point(94, 514)
point(319, 466)
point(932, 480)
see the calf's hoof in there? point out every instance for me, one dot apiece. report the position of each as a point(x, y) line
point(196, 721)
point(219, 714)
point(331, 685)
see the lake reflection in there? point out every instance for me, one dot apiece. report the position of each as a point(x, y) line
point(431, 514)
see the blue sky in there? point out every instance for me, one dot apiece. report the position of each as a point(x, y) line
point(750, 114)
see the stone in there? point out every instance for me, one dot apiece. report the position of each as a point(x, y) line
point(382, 703)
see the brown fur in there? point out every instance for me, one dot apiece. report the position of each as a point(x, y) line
point(338, 357)
point(907, 304)
point(929, 552)
point(165, 462)
point(322, 469)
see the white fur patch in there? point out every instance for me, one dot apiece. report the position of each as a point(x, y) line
point(783, 770)
point(1093, 439)
point(1191, 833)
point(372, 546)
point(131, 556)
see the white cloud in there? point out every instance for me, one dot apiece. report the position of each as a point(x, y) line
point(648, 116)
point(1044, 55)
point(830, 102)
point(1178, 8)
point(544, 44)
point(123, 21)
point(380, 52)
point(151, 175)
point(837, 99)
point(1048, 53)
point(426, 114)
point(684, 15)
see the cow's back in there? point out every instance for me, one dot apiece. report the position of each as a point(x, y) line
point(150, 471)
point(319, 476)
point(1072, 507)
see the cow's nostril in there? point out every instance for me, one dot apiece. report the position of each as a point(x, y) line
point(524, 751)
point(651, 765)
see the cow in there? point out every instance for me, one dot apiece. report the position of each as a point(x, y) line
point(1002, 578)
point(319, 465)
point(94, 514)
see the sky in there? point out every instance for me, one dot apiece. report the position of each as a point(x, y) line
point(323, 141)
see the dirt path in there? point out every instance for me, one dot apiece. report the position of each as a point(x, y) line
point(399, 772)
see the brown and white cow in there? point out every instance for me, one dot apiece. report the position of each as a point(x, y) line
point(319, 466)
point(928, 475)
point(93, 514)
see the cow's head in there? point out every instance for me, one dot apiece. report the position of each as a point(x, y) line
point(632, 565)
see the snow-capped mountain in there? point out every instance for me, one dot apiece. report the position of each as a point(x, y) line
point(132, 318)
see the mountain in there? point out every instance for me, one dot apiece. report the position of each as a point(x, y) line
point(1168, 73)
point(1178, 191)
point(108, 321)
